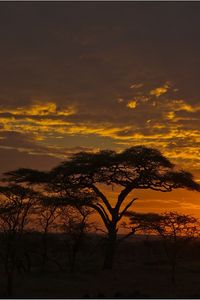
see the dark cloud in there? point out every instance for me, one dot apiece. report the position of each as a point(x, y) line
point(11, 159)
point(19, 144)
point(92, 52)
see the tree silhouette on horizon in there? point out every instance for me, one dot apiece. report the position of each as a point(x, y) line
point(15, 207)
point(175, 230)
point(77, 181)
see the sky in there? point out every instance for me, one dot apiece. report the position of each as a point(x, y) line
point(85, 76)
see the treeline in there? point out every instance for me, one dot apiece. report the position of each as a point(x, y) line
point(34, 235)
point(29, 228)
point(64, 198)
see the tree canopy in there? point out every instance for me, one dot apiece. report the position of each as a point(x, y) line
point(78, 178)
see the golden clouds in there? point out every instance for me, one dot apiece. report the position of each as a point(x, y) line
point(160, 126)
point(180, 104)
point(170, 115)
point(160, 90)
point(39, 109)
point(37, 119)
point(43, 119)
point(132, 104)
point(101, 130)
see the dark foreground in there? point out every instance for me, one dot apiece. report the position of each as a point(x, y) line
point(141, 271)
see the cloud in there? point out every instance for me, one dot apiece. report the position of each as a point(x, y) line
point(136, 85)
point(21, 143)
point(181, 105)
point(11, 159)
point(159, 91)
point(132, 104)
point(143, 119)
point(170, 115)
point(39, 109)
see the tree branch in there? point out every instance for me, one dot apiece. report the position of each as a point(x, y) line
point(133, 230)
point(124, 193)
point(103, 198)
point(101, 213)
point(103, 209)
point(126, 208)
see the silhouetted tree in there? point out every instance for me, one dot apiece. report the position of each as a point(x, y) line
point(175, 229)
point(15, 205)
point(75, 225)
point(47, 216)
point(134, 168)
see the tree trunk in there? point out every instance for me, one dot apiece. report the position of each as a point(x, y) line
point(173, 271)
point(9, 288)
point(110, 249)
point(44, 255)
point(73, 261)
point(28, 261)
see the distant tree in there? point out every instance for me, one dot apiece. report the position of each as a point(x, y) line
point(75, 225)
point(54, 205)
point(176, 231)
point(15, 205)
point(85, 173)
point(47, 215)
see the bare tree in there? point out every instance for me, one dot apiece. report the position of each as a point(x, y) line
point(47, 217)
point(15, 206)
point(75, 225)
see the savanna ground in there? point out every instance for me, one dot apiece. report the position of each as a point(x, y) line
point(141, 270)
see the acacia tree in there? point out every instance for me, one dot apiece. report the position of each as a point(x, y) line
point(135, 168)
point(176, 231)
